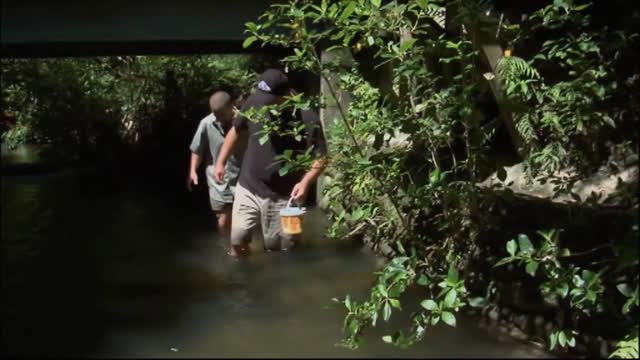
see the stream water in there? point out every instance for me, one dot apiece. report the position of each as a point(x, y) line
point(102, 266)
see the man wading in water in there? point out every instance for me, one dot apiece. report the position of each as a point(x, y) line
point(210, 136)
point(261, 192)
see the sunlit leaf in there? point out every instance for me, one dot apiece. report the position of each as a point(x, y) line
point(423, 280)
point(408, 44)
point(512, 247)
point(477, 301)
point(386, 311)
point(429, 304)
point(531, 267)
point(348, 10)
point(524, 244)
point(624, 289)
point(450, 298)
point(449, 318)
point(553, 340)
point(562, 339)
point(423, 4)
point(452, 275)
point(248, 41)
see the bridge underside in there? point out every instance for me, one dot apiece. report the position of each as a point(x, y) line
point(44, 28)
point(112, 48)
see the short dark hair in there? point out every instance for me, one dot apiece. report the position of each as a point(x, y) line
point(219, 100)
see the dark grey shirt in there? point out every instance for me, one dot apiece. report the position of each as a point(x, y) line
point(260, 171)
point(210, 136)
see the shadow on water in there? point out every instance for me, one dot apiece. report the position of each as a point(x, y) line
point(99, 266)
point(82, 253)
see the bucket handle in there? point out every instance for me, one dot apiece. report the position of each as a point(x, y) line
point(289, 202)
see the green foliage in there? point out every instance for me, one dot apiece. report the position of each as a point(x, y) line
point(562, 338)
point(385, 198)
point(270, 117)
point(89, 104)
point(627, 348)
point(581, 290)
point(566, 118)
point(421, 195)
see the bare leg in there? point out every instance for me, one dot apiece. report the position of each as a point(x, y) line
point(224, 220)
point(240, 250)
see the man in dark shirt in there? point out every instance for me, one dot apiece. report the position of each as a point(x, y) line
point(261, 191)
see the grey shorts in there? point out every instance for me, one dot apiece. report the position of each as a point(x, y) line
point(217, 204)
point(250, 212)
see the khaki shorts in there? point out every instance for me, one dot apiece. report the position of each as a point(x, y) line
point(250, 212)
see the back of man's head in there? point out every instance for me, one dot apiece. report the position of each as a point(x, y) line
point(219, 101)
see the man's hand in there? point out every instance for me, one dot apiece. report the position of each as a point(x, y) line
point(193, 178)
point(299, 191)
point(218, 173)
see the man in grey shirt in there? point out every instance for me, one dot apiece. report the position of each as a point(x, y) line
point(210, 136)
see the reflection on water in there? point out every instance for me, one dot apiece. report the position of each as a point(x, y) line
point(23, 154)
point(93, 268)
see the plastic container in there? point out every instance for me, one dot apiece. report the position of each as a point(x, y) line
point(291, 219)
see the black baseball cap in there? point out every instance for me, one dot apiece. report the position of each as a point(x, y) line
point(272, 85)
point(276, 82)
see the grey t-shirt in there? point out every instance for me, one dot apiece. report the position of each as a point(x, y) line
point(210, 135)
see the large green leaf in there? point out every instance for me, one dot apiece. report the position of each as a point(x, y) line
point(512, 247)
point(406, 45)
point(424, 4)
point(562, 339)
point(423, 280)
point(625, 289)
point(429, 304)
point(526, 247)
point(386, 312)
point(348, 10)
point(434, 178)
point(553, 340)
point(449, 318)
point(452, 275)
point(477, 301)
point(450, 298)
point(248, 41)
point(531, 267)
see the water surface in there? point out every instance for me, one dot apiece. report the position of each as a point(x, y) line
point(110, 266)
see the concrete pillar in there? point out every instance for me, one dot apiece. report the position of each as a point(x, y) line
point(330, 114)
point(490, 53)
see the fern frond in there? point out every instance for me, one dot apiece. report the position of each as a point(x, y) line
point(514, 68)
point(525, 128)
point(627, 348)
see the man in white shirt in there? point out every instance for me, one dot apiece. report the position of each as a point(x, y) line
point(210, 136)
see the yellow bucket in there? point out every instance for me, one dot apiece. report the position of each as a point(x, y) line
point(291, 219)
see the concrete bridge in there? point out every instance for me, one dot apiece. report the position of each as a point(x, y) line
point(41, 28)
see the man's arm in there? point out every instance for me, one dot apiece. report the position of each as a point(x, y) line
point(198, 144)
point(300, 189)
point(196, 160)
point(225, 152)
point(315, 139)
